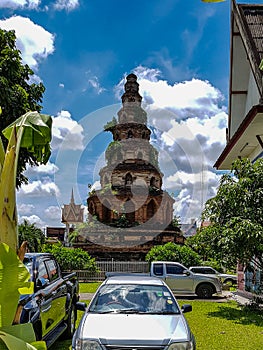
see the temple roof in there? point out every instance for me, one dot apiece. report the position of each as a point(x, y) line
point(72, 213)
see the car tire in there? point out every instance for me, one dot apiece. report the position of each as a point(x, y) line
point(38, 330)
point(71, 322)
point(229, 281)
point(204, 291)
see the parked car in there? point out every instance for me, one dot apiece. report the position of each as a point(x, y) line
point(133, 312)
point(52, 307)
point(183, 281)
point(207, 270)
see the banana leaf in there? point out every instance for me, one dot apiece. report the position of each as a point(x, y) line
point(8, 215)
point(14, 280)
point(24, 332)
point(33, 132)
point(9, 342)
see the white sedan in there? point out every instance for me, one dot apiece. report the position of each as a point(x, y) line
point(133, 312)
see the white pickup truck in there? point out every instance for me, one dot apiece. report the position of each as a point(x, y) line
point(183, 281)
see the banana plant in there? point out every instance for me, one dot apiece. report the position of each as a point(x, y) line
point(33, 132)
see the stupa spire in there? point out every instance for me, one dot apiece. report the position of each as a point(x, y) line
point(131, 89)
point(131, 111)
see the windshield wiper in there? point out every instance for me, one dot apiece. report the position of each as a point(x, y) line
point(117, 311)
point(128, 311)
point(163, 313)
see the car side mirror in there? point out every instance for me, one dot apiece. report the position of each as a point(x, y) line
point(81, 306)
point(187, 272)
point(41, 282)
point(186, 308)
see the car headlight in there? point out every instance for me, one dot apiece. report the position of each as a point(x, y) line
point(85, 344)
point(181, 346)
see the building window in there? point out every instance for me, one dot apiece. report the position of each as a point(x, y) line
point(128, 179)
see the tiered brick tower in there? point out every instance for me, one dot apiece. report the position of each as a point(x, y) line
point(130, 213)
point(131, 182)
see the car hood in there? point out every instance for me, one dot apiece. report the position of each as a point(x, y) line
point(143, 328)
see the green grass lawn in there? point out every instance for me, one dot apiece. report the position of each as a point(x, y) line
point(88, 287)
point(225, 326)
point(216, 326)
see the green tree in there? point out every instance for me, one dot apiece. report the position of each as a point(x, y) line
point(173, 252)
point(18, 94)
point(71, 258)
point(201, 244)
point(236, 215)
point(33, 235)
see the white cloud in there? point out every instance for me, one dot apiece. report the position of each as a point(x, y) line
point(95, 186)
point(192, 191)
point(14, 4)
point(94, 82)
point(39, 188)
point(49, 168)
point(67, 5)
point(34, 42)
point(66, 132)
point(53, 213)
point(188, 123)
point(32, 219)
point(25, 209)
point(142, 73)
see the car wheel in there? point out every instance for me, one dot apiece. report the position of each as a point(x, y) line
point(229, 281)
point(38, 330)
point(204, 291)
point(71, 322)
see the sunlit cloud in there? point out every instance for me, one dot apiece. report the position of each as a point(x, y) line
point(15, 4)
point(53, 213)
point(34, 42)
point(39, 188)
point(67, 5)
point(66, 132)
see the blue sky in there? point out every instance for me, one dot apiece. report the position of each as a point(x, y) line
point(81, 50)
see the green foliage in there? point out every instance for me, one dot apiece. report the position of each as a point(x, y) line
point(110, 124)
point(236, 216)
point(113, 148)
point(33, 235)
point(18, 95)
point(33, 132)
point(71, 258)
point(176, 222)
point(173, 252)
point(122, 221)
point(153, 157)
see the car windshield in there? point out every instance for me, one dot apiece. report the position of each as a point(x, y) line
point(116, 298)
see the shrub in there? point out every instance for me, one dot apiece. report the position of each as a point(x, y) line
point(174, 252)
point(71, 258)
